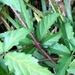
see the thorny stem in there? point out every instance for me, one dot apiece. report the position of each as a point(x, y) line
point(34, 39)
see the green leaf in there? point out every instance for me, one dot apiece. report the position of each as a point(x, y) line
point(45, 24)
point(59, 49)
point(63, 64)
point(54, 7)
point(29, 50)
point(27, 41)
point(25, 14)
point(13, 3)
point(39, 56)
point(2, 71)
point(67, 33)
point(18, 22)
point(72, 67)
point(37, 11)
point(15, 24)
point(72, 42)
point(3, 67)
point(13, 37)
point(43, 3)
point(3, 35)
point(22, 64)
point(1, 5)
point(51, 39)
point(1, 47)
point(68, 9)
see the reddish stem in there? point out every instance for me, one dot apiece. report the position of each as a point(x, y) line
point(18, 15)
point(34, 39)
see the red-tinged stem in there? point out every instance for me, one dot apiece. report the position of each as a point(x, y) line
point(18, 15)
point(34, 39)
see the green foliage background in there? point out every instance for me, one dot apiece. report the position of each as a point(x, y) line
point(38, 51)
